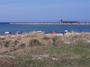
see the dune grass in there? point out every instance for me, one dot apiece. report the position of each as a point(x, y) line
point(73, 51)
point(43, 56)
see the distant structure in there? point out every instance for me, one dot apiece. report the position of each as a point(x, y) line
point(60, 21)
point(71, 22)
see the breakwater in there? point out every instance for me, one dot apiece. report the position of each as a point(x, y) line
point(53, 23)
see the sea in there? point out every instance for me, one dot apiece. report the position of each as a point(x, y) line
point(14, 28)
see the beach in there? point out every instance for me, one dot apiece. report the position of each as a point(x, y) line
point(44, 33)
point(42, 49)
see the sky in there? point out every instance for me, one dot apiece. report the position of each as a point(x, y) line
point(44, 10)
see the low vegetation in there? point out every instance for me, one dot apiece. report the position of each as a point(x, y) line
point(41, 51)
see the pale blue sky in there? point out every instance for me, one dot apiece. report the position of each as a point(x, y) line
point(44, 10)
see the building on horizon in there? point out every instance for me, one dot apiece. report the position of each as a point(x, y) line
point(71, 22)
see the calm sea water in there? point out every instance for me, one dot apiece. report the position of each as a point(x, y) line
point(47, 28)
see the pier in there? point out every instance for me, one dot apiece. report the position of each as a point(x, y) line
point(53, 23)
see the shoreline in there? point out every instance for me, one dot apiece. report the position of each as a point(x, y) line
point(49, 34)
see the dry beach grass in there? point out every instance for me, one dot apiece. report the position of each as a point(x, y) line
point(37, 50)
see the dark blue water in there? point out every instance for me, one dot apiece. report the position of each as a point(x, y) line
point(47, 28)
